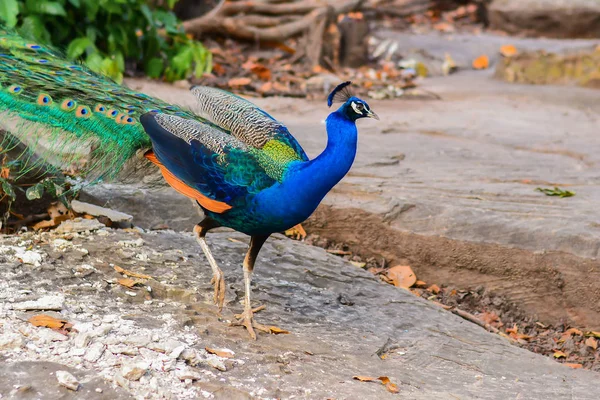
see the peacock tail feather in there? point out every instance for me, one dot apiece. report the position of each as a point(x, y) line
point(57, 106)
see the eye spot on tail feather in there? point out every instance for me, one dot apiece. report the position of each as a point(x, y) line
point(44, 99)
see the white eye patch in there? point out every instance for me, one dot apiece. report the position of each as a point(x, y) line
point(356, 109)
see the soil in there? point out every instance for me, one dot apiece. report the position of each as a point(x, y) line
point(565, 344)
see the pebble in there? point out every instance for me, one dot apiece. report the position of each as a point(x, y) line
point(134, 371)
point(67, 380)
point(138, 340)
point(48, 335)
point(94, 352)
point(9, 341)
point(52, 303)
point(185, 373)
point(82, 340)
point(97, 211)
point(79, 225)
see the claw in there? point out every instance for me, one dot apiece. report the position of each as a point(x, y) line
point(246, 319)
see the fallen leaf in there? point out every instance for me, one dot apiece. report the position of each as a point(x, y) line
point(48, 321)
point(266, 87)
point(443, 27)
point(277, 331)
point(339, 252)
point(402, 276)
point(594, 334)
point(591, 342)
point(127, 282)
point(573, 331)
point(262, 72)
point(131, 273)
point(514, 329)
point(358, 264)
point(44, 225)
point(489, 317)
point(364, 378)
point(481, 62)
point(219, 352)
point(391, 387)
point(239, 82)
point(4, 173)
point(508, 50)
point(296, 232)
point(420, 284)
point(435, 289)
point(574, 366)
point(559, 354)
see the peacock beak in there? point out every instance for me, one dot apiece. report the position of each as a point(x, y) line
point(371, 114)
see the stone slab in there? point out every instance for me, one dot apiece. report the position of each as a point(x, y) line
point(338, 315)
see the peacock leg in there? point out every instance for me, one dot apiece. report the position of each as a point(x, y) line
point(246, 319)
point(218, 279)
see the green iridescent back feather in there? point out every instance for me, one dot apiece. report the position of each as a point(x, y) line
point(41, 91)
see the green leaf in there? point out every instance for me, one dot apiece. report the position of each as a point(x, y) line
point(75, 3)
point(94, 61)
point(46, 7)
point(33, 27)
point(8, 189)
point(154, 67)
point(78, 46)
point(9, 10)
point(556, 192)
point(35, 192)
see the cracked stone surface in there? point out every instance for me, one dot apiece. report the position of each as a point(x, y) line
point(338, 315)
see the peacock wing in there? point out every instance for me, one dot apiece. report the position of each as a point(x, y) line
point(248, 123)
point(204, 162)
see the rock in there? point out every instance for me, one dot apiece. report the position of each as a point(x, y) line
point(94, 352)
point(138, 340)
point(21, 254)
point(134, 371)
point(573, 68)
point(67, 380)
point(79, 225)
point(49, 303)
point(97, 211)
point(549, 18)
point(82, 339)
point(11, 341)
point(47, 335)
point(184, 373)
point(216, 362)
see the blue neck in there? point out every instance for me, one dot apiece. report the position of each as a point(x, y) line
point(315, 178)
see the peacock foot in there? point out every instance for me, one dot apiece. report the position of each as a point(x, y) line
point(246, 319)
point(218, 280)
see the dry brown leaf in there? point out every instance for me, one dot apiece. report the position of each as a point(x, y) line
point(481, 62)
point(262, 72)
point(44, 225)
point(402, 276)
point(594, 334)
point(591, 342)
point(131, 273)
point(508, 50)
point(234, 82)
point(338, 252)
point(277, 331)
point(364, 378)
point(48, 321)
point(574, 366)
point(4, 173)
point(266, 87)
point(127, 282)
point(420, 284)
point(219, 352)
point(559, 354)
point(391, 387)
point(573, 331)
point(489, 317)
point(514, 329)
point(443, 27)
point(435, 289)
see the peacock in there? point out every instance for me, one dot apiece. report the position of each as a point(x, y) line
point(239, 164)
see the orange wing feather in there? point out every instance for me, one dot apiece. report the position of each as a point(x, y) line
point(177, 184)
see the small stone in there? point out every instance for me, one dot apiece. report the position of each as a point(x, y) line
point(48, 335)
point(52, 303)
point(94, 352)
point(97, 211)
point(134, 372)
point(82, 340)
point(9, 341)
point(185, 373)
point(79, 225)
point(216, 363)
point(98, 390)
point(77, 352)
point(167, 346)
point(67, 380)
point(124, 349)
point(177, 352)
point(138, 340)
point(120, 380)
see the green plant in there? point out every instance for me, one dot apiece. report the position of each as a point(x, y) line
point(107, 34)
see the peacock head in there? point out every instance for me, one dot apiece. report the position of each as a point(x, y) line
point(353, 107)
